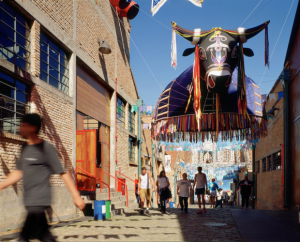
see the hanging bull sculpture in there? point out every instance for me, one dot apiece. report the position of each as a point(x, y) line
point(217, 53)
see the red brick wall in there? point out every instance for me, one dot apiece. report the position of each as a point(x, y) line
point(61, 12)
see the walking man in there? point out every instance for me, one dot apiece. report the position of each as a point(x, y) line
point(183, 191)
point(37, 161)
point(144, 189)
point(245, 191)
point(201, 184)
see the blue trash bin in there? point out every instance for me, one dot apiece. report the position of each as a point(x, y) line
point(99, 210)
point(171, 205)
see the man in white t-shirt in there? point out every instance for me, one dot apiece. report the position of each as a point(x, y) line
point(183, 191)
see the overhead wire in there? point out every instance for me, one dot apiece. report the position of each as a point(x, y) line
point(277, 40)
point(259, 11)
point(119, 20)
point(251, 12)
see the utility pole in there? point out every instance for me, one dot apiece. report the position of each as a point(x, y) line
point(253, 177)
point(152, 165)
point(140, 140)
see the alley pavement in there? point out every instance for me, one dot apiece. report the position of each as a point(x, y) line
point(215, 225)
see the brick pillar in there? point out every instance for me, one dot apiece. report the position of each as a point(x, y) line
point(35, 49)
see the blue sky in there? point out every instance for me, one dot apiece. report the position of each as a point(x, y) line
point(154, 40)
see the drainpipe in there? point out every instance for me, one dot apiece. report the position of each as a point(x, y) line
point(287, 161)
point(140, 140)
point(152, 164)
point(254, 177)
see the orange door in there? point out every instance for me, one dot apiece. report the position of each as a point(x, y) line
point(86, 159)
point(104, 139)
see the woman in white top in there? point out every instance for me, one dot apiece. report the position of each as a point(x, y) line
point(201, 184)
point(163, 184)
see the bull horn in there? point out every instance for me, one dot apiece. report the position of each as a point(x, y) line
point(245, 34)
point(191, 35)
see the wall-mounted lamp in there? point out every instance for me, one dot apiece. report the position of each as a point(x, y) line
point(104, 47)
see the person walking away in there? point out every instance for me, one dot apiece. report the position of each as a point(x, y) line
point(245, 191)
point(225, 198)
point(201, 184)
point(183, 191)
point(144, 189)
point(137, 195)
point(231, 200)
point(213, 192)
point(219, 197)
point(162, 184)
point(37, 161)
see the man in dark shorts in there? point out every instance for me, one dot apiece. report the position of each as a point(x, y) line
point(37, 161)
point(201, 186)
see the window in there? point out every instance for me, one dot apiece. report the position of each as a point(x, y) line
point(131, 152)
point(264, 165)
point(131, 121)
point(277, 161)
point(54, 64)
point(120, 112)
point(90, 123)
point(14, 103)
point(258, 167)
point(242, 156)
point(14, 37)
point(227, 155)
point(269, 163)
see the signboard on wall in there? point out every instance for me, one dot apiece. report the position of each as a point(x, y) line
point(167, 163)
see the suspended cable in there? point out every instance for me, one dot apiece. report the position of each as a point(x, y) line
point(136, 48)
point(251, 13)
point(277, 40)
point(258, 11)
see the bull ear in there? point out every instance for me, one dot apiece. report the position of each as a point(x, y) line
point(245, 34)
point(248, 52)
point(188, 51)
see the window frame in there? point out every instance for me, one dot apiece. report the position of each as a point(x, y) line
point(121, 116)
point(61, 85)
point(264, 164)
point(16, 33)
point(15, 112)
point(276, 158)
point(131, 120)
point(131, 150)
point(269, 163)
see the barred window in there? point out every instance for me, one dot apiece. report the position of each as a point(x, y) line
point(258, 167)
point(131, 152)
point(131, 121)
point(54, 64)
point(264, 165)
point(277, 161)
point(120, 112)
point(269, 163)
point(14, 37)
point(14, 103)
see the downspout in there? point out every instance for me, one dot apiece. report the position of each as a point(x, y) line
point(152, 164)
point(140, 141)
point(254, 177)
point(287, 162)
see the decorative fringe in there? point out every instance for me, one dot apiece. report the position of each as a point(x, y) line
point(225, 125)
point(267, 63)
point(174, 50)
point(196, 81)
point(241, 88)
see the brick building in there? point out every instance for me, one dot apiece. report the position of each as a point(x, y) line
point(50, 64)
point(268, 155)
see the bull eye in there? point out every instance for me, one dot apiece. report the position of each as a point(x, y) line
point(202, 54)
point(234, 52)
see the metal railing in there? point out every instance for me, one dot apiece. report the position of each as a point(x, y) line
point(94, 178)
point(126, 177)
point(126, 192)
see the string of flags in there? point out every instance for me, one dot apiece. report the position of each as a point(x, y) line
point(272, 96)
point(157, 4)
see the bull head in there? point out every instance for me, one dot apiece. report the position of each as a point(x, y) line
point(218, 52)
